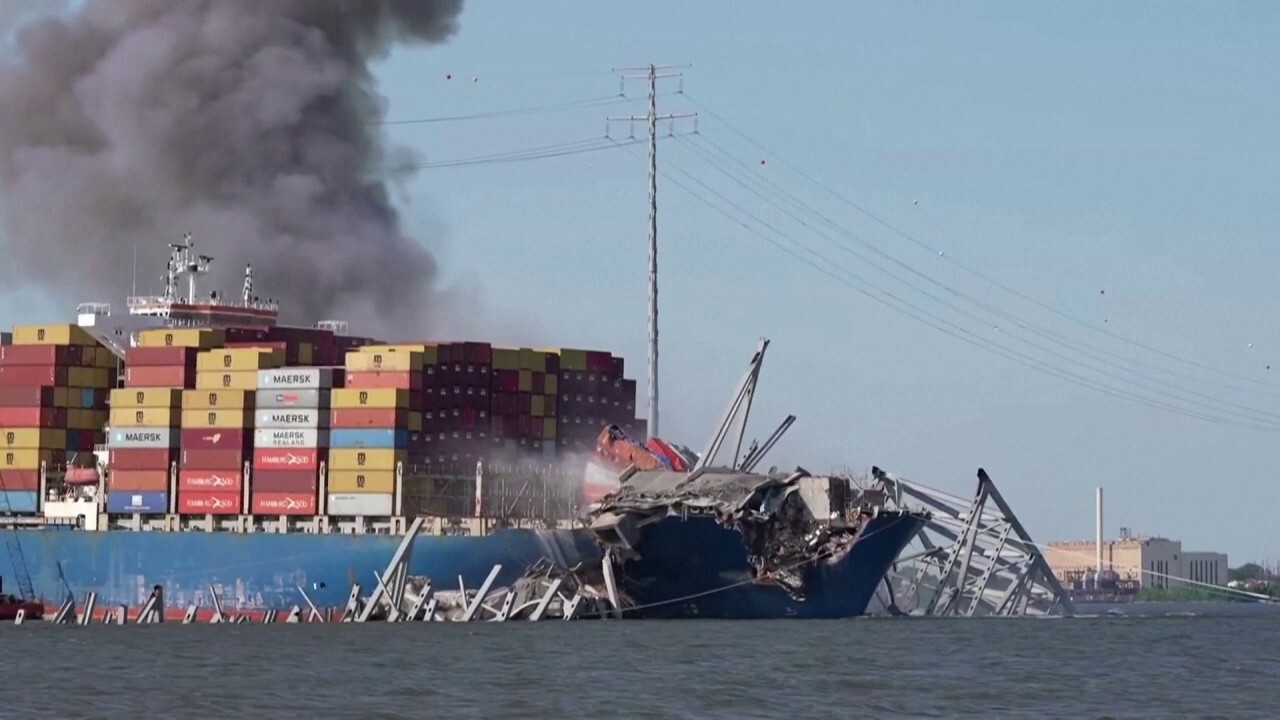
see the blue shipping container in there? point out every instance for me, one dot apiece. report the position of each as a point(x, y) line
point(20, 502)
point(86, 398)
point(147, 503)
point(368, 438)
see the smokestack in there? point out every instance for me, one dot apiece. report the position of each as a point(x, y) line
point(1099, 530)
point(252, 123)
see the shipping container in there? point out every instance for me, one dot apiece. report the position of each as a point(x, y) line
point(213, 459)
point(90, 377)
point(217, 399)
point(368, 438)
point(369, 398)
point(283, 503)
point(217, 419)
point(292, 418)
point(145, 417)
point(287, 459)
point(208, 503)
point(6, 339)
point(362, 481)
point(239, 359)
point(238, 380)
point(22, 480)
point(138, 480)
point(295, 379)
point(360, 504)
point(408, 380)
point(284, 481)
point(215, 439)
point(142, 503)
point(145, 398)
point(165, 376)
point(27, 438)
point(36, 396)
point(161, 356)
point(22, 501)
point(384, 361)
point(182, 337)
point(30, 459)
point(42, 355)
point(52, 335)
point(290, 438)
point(285, 398)
point(374, 418)
point(142, 458)
point(220, 481)
point(144, 438)
point(430, 352)
point(365, 458)
point(25, 375)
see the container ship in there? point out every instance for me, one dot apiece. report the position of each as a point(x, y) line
point(198, 445)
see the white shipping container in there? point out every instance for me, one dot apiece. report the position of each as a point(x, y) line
point(292, 418)
point(290, 438)
point(295, 378)
point(366, 504)
point(143, 438)
point(289, 398)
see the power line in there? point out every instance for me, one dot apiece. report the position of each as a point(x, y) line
point(971, 270)
point(536, 153)
point(594, 102)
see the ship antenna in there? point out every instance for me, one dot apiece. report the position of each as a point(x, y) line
point(248, 283)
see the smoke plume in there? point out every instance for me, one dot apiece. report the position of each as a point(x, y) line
point(250, 123)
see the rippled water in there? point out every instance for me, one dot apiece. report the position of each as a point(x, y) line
point(1154, 662)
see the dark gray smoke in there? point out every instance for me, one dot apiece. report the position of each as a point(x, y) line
point(250, 123)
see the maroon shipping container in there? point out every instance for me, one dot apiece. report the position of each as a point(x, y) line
point(19, 480)
point(283, 481)
point(268, 503)
point(233, 459)
point(208, 503)
point(26, 375)
point(31, 417)
point(247, 335)
point(161, 356)
point(42, 355)
point(174, 376)
point(26, 397)
point(210, 439)
point(142, 458)
point(219, 481)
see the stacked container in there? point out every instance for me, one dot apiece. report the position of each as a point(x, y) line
point(593, 394)
point(291, 442)
point(54, 381)
point(525, 406)
point(217, 420)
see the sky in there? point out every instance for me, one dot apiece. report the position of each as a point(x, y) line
point(1111, 165)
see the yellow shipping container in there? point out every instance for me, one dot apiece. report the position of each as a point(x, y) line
point(238, 380)
point(525, 381)
point(430, 353)
point(551, 384)
point(136, 417)
point(24, 459)
point(306, 353)
point(533, 360)
point(385, 361)
point(347, 398)
point(62, 397)
point(32, 438)
point(52, 335)
point(184, 337)
point(362, 481)
point(575, 360)
point(227, 419)
point(240, 359)
point(88, 377)
point(146, 398)
point(364, 458)
point(549, 428)
point(415, 422)
point(506, 359)
point(104, 358)
point(217, 399)
point(537, 406)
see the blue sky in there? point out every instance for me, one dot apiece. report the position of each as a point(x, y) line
point(1062, 151)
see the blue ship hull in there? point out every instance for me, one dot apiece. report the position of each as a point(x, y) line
point(696, 567)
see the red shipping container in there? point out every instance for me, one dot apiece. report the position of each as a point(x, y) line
point(280, 503)
point(161, 356)
point(209, 503)
point(41, 355)
point(232, 459)
point(24, 375)
point(174, 376)
point(142, 459)
point(139, 480)
point(26, 397)
point(212, 481)
point(32, 417)
point(284, 459)
point(19, 480)
point(208, 439)
point(284, 481)
point(368, 418)
point(408, 380)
